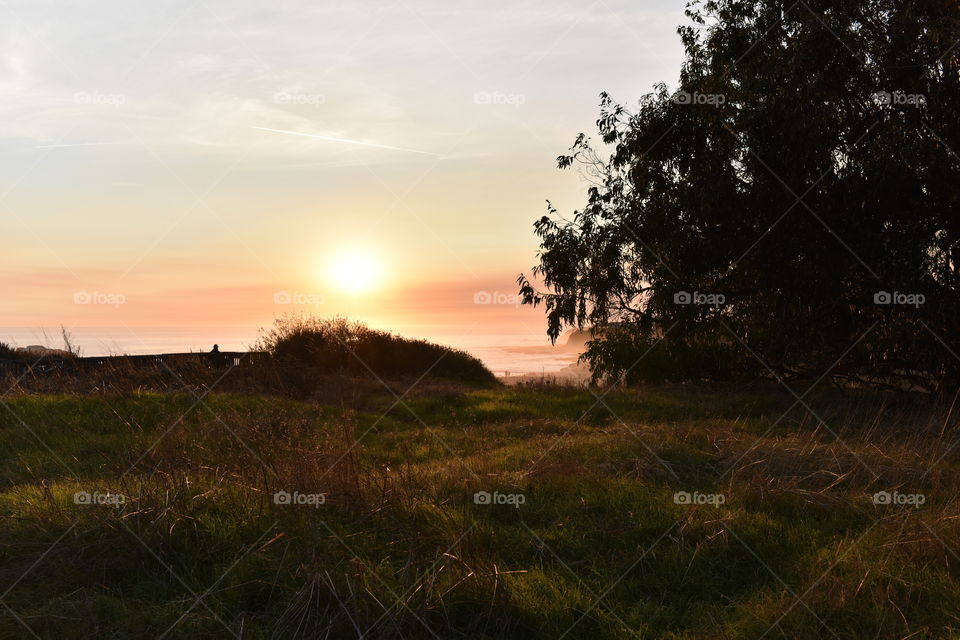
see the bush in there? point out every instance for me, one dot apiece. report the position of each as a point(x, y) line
point(307, 348)
point(625, 353)
point(6, 351)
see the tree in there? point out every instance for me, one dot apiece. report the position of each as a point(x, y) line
point(792, 209)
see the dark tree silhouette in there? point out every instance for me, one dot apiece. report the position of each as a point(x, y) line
point(792, 209)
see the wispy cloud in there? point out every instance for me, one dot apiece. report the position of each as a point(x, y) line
point(346, 141)
point(76, 144)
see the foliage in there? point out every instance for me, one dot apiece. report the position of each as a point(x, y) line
point(304, 348)
point(805, 165)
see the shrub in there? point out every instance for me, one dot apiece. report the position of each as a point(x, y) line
point(624, 353)
point(305, 348)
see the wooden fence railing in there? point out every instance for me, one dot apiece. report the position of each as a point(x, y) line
point(50, 364)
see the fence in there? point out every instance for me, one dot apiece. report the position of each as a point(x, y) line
point(48, 364)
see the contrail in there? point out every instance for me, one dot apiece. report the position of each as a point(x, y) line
point(344, 141)
point(77, 144)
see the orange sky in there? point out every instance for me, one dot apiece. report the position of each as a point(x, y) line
point(183, 165)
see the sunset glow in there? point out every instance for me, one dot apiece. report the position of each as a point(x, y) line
point(244, 164)
point(354, 271)
point(500, 320)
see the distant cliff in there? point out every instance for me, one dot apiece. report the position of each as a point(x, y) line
point(575, 338)
point(36, 350)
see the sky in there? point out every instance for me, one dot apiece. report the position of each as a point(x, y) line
point(212, 163)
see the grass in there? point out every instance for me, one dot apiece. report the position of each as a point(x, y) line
point(599, 548)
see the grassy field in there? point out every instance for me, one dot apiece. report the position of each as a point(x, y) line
point(588, 533)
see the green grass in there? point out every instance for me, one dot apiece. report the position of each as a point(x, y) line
point(598, 549)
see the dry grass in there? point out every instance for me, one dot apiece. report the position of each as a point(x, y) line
point(399, 549)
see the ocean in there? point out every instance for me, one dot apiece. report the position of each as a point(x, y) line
point(505, 354)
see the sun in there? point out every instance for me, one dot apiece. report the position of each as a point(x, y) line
point(354, 271)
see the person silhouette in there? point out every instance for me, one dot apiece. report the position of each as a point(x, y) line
point(216, 349)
